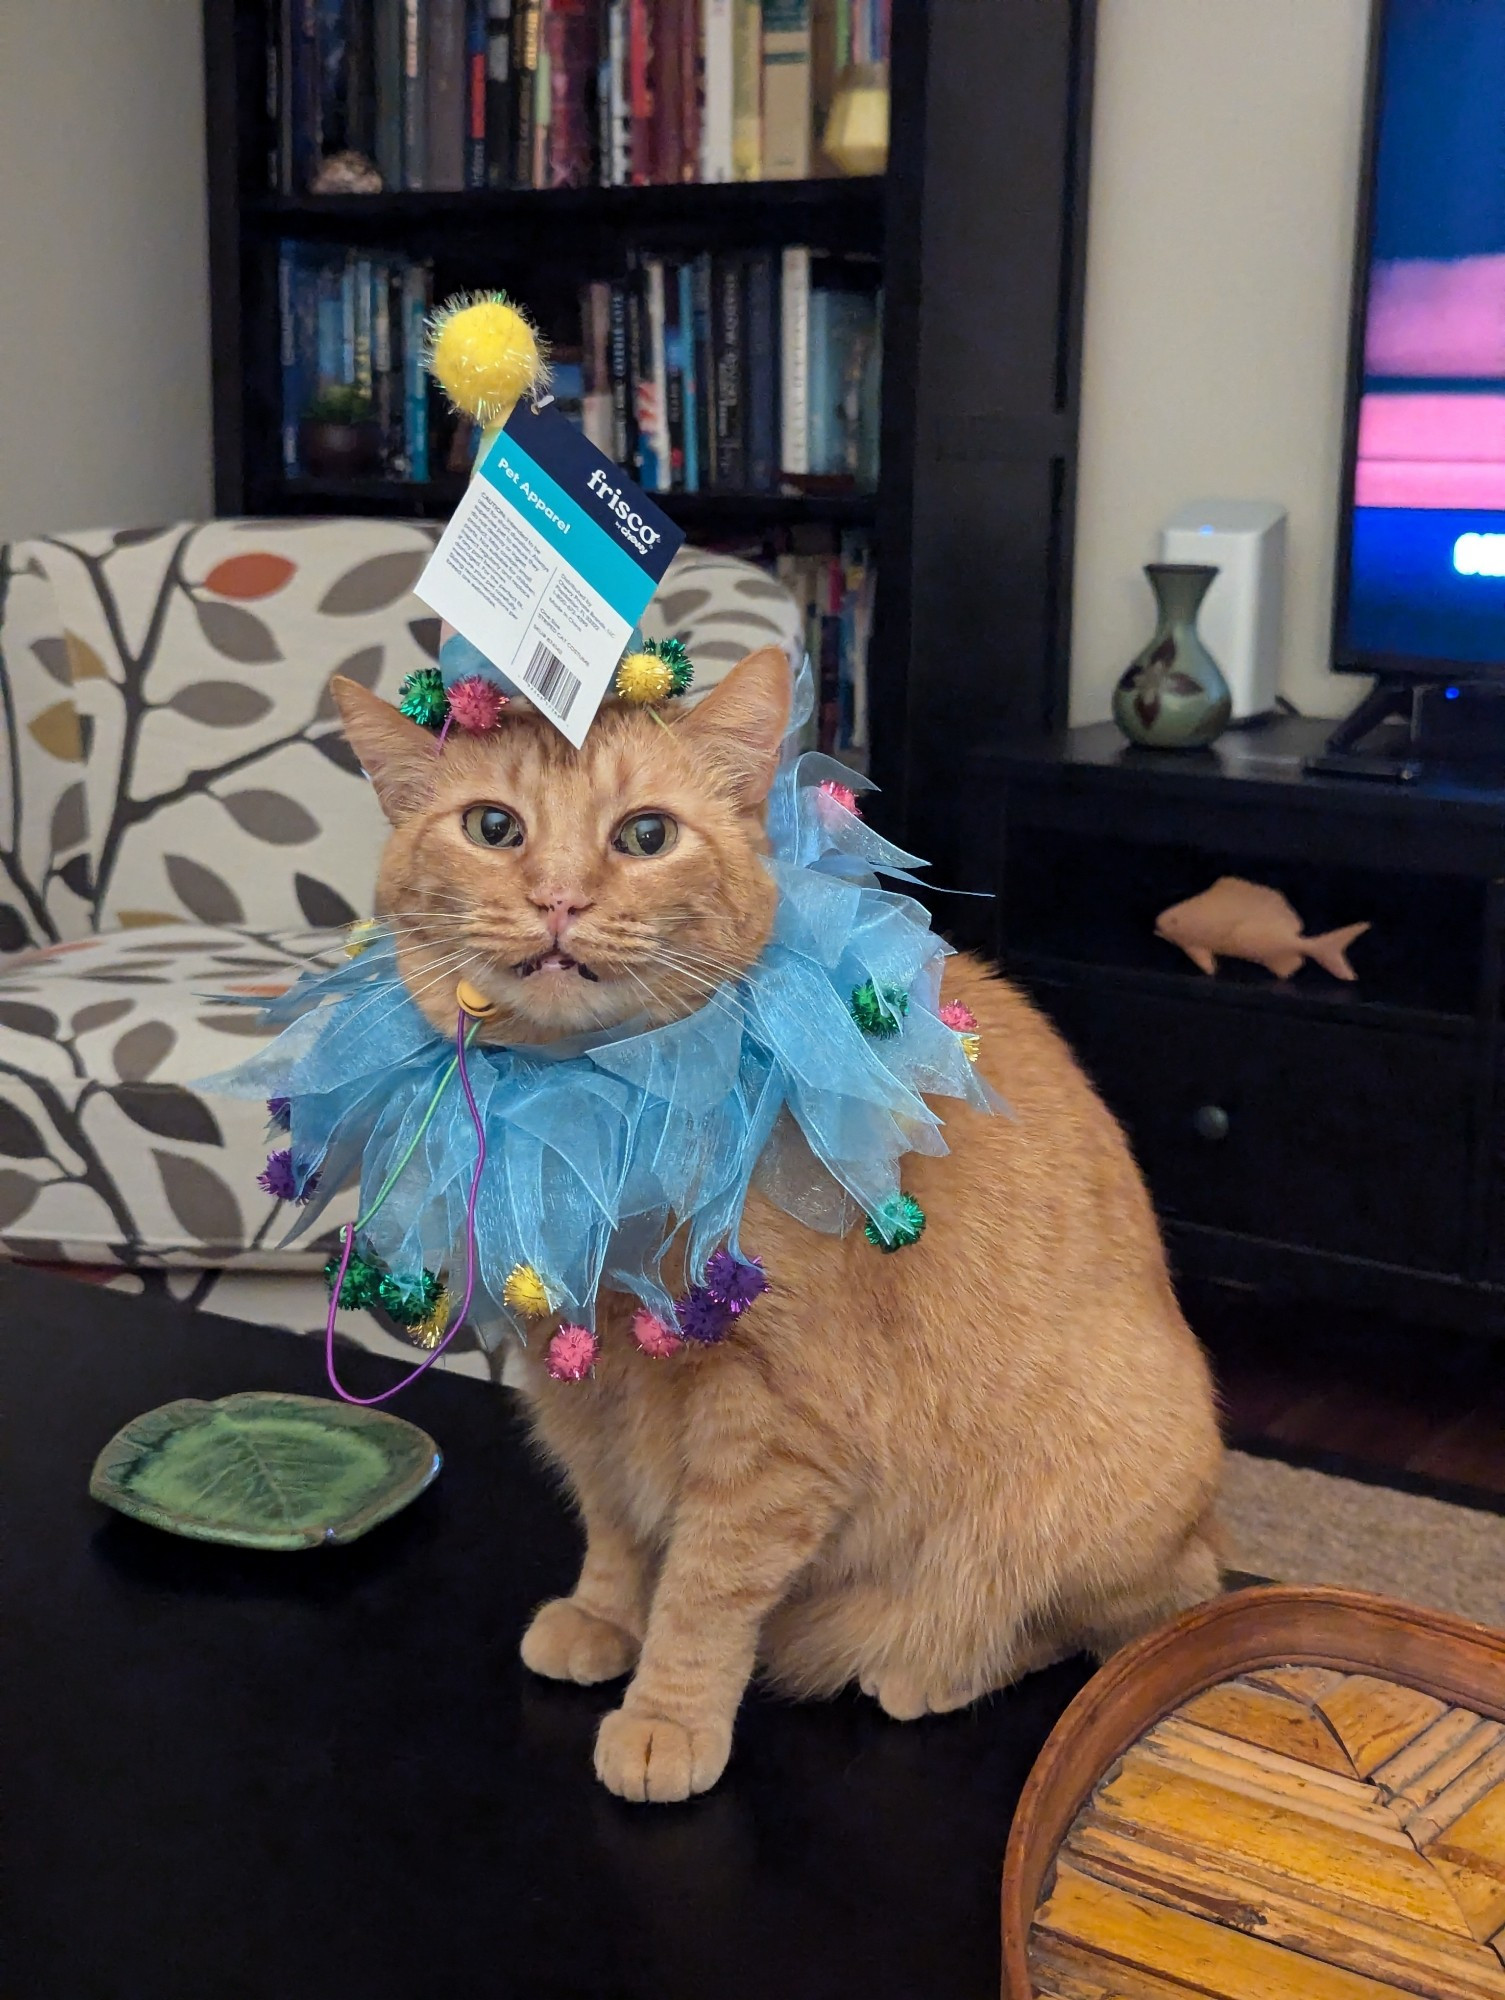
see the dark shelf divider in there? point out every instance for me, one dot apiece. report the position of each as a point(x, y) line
point(780, 211)
point(436, 499)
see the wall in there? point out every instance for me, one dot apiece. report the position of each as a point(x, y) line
point(1225, 157)
point(104, 316)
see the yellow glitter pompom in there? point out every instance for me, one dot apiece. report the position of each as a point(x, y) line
point(971, 1047)
point(361, 936)
point(484, 355)
point(526, 1293)
point(644, 677)
point(431, 1329)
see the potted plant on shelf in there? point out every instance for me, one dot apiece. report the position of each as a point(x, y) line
point(339, 437)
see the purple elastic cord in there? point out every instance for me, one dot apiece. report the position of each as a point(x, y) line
point(449, 718)
point(470, 1254)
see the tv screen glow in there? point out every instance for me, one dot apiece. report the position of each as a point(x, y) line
point(1426, 551)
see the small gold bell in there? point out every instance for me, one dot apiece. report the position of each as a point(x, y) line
point(473, 1002)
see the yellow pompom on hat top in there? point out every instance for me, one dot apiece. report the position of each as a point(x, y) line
point(485, 356)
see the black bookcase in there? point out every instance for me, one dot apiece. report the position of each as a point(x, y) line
point(980, 223)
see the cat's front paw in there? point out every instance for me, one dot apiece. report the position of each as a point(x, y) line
point(905, 1696)
point(649, 1759)
point(567, 1643)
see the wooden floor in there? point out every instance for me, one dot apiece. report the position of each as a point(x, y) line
point(1306, 1382)
point(1299, 1834)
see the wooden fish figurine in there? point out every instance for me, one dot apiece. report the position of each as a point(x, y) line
point(1238, 919)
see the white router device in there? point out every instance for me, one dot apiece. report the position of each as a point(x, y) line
point(1245, 541)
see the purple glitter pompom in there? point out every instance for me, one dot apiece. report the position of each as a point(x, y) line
point(283, 1181)
point(701, 1317)
point(734, 1283)
point(280, 1113)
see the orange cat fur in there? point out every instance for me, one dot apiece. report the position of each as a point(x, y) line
point(927, 1472)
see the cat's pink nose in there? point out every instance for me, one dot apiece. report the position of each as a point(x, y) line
point(561, 907)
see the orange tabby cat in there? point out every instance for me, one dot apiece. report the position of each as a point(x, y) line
point(927, 1472)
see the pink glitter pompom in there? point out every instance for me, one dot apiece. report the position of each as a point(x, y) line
point(841, 795)
point(959, 1016)
point(650, 1333)
point(476, 704)
point(572, 1353)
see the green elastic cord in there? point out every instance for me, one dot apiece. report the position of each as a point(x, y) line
point(396, 1173)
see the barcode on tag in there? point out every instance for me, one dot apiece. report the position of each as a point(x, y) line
point(551, 681)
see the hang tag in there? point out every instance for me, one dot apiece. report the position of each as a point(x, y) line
point(548, 563)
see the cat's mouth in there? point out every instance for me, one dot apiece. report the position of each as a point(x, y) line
point(553, 961)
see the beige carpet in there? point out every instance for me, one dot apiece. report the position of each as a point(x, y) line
point(1296, 1526)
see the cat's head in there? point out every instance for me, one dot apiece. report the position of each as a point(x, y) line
point(578, 889)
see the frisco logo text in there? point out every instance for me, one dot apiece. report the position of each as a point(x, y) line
point(638, 531)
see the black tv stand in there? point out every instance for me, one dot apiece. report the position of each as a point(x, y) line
point(1341, 756)
point(1390, 696)
point(1326, 1139)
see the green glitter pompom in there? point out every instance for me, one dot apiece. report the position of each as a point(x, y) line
point(359, 1286)
point(676, 659)
point(879, 1011)
point(408, 1296)
point(421, 698)
point(898, 1223)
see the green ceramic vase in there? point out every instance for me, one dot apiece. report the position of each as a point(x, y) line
point(1173, 696)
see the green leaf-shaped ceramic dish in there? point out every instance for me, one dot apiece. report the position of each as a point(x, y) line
point(264, 1471)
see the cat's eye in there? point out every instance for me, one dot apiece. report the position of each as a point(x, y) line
point(646, 834)
point(492, 826)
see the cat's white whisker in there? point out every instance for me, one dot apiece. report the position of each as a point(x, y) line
point(696, 976)
point(454, 967)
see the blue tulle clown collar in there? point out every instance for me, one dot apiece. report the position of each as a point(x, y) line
point(804, 1079)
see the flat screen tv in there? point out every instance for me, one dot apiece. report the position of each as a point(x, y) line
point(1421, 559)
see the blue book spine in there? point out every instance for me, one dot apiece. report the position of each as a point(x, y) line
point(382, 388)
point(329, 336)
point(762, 373)
point(690, 377)
point(399, 464)
point(822, 387)
point(348, 374)
point(851, 330)
point(306, 302)
point(415, 305)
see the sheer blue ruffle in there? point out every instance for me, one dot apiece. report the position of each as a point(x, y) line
point(603, 1149)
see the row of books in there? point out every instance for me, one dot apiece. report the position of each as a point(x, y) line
point(352, 339)
point(832, 576)
point(752, 372)
point(836, 591)
point(468, 94)
point(741, 373)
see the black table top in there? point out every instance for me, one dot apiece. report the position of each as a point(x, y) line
point(327, 1773)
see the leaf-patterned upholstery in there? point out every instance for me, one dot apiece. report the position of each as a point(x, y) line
point(179, 818)
point(219, 787)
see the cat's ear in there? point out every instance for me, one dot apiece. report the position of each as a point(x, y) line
point(396, 755)
point(738, 727)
